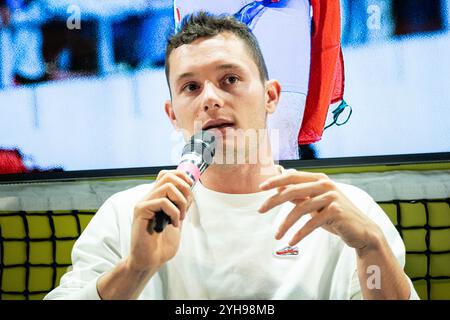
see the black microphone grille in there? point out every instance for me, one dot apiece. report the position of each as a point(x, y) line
point(202, 143)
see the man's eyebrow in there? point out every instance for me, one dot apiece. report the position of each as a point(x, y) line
point(184, 75)
point(226, 66)
point(229, 66)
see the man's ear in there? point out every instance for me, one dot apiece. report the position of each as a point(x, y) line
point(170, 113)
point(273, 90)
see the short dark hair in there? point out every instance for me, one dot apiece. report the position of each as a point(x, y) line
point(204, 25)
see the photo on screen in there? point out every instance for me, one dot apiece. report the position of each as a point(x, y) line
point(83, 86)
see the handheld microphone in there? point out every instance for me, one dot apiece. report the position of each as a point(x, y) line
point(196, 157)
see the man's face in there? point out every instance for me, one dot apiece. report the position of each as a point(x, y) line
point(216, 85)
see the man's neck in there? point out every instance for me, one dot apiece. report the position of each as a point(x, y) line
point(238, 179)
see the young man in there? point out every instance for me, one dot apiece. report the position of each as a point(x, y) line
point(246, 231)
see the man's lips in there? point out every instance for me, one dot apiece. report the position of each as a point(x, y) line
point(217, 124)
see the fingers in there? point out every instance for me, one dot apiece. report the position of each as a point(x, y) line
point(171, 192)
point(291, 177)
point(296, 192)
point(317, 204)
point(289, 221)
point(165, 175)
point(146, 209)
point(309, 227)
point(179, 179)
point(174, 185)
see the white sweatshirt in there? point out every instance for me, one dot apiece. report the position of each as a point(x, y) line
point(227, 251)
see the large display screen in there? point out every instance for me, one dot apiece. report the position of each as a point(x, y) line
point(82, 82)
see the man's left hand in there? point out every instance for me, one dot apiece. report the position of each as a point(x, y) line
point(318, 195)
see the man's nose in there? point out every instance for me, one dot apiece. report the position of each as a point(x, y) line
point(211, 98)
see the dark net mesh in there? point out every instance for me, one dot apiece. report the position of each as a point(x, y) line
point(35, 250)
point(424, 226)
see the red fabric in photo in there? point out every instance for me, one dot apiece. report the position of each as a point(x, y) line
point(326, 79)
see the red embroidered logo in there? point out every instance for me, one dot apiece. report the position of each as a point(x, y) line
point(287, 251)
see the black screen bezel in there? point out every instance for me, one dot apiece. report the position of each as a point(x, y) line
point(422, 158)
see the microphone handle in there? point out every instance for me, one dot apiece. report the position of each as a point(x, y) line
point(161, 221)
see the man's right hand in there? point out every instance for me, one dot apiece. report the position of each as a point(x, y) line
point(171, 193)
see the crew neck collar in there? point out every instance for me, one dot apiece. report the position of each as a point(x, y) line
point(235, 200)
